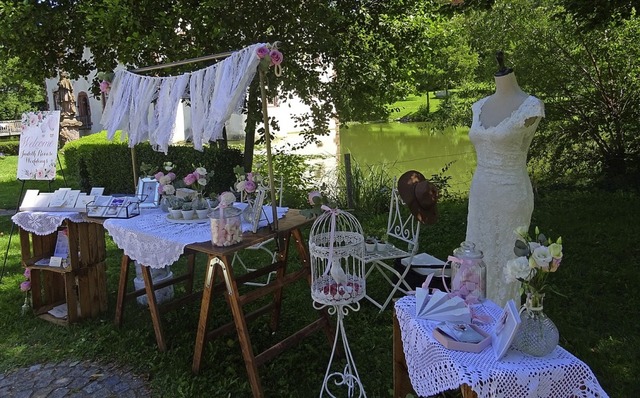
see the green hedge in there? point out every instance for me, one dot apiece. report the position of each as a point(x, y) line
point(9, 147)
point(98, 162)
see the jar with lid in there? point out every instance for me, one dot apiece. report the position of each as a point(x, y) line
point(468, 272)
point(226, 226)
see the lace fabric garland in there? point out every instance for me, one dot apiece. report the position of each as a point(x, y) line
point(434, 369)
point(215, 93)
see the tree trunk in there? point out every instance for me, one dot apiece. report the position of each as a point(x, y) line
point(253, 116)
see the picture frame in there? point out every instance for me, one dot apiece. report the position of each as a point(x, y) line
point(505, 329)
point(147, 192)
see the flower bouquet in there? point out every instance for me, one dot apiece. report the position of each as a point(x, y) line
point(537, 258)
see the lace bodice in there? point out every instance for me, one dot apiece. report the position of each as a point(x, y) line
point(501, 197)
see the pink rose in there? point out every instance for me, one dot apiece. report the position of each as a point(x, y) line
point(27, 273)
point(262, 52)
point(250, 177)
point(172, 176)
point(313, 195)
point(276, 57)
point(190, 179)
point(105, 87)
point(250, 186)
point(158, 175)
point(25, 286)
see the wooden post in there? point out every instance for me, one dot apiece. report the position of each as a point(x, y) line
point(348, 180)
point(133, 167)
point(267, 140)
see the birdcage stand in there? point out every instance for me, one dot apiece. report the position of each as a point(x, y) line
point(349, 377)
point(338, 283)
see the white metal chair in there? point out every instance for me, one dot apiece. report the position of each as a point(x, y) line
point(264, 246)
point(404, 230)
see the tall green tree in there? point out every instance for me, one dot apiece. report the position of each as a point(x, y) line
point(345, 59)
point(17, 94)
point(588, 79)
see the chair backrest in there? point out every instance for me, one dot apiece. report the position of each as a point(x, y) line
point(401, 225)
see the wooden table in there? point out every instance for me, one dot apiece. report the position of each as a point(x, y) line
point(220, 278)
point(422, 364)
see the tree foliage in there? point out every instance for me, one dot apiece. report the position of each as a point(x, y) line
point(345, 59)
point(17, 95)
point(588, 79)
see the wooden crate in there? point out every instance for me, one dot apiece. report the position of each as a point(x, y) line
point(82, 284)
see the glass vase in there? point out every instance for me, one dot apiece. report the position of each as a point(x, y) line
point(537, 334)
point(165, 203)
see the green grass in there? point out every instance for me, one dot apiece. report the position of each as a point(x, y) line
point(597, 320)
point(410, 105)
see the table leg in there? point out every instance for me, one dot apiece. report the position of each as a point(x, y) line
point(153, 308)
point(191, 261)
point(203, 322)
point(122, 289)
point(233, 299)
point(401, 382)
point(283, 254)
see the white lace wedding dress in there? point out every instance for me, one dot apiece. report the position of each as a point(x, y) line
point(501, 197)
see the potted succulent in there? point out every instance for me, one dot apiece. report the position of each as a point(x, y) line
point(175, 207)
point(370, 245)
point(187, 211)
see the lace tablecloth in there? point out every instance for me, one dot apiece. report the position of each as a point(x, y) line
point(44, 222)
point(434, 369)
point(154, 241)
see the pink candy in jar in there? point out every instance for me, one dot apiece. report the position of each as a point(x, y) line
point(468, 273)
point(226, 226)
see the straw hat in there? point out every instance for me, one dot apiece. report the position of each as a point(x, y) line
point(420, 195)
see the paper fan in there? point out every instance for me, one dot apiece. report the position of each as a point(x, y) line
point(441, 307)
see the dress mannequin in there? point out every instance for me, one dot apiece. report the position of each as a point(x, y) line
point(501, 197)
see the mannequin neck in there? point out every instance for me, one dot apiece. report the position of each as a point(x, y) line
point(507, 85)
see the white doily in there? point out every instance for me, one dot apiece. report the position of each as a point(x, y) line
point(434, 369)
point(155, 242)
point(43, 222)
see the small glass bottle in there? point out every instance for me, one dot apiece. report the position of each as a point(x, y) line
point(468, 272)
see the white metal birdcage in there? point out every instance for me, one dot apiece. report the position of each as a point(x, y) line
point(336, 247)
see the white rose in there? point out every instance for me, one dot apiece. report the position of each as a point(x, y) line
point(164, 180)
point(517, 268)
point(168, 190)
point(542, 257)
point(240, 186)
point(201, 171)
point(202, 181)
point(227, 198)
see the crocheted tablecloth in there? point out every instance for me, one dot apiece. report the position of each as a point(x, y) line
point(434, 369)
point(44, 222)
point(154, 241)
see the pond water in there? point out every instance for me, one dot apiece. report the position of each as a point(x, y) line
point(396, 147)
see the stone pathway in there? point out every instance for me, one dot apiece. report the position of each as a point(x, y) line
point(76, 379)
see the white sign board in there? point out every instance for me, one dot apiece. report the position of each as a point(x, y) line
point(38, 145)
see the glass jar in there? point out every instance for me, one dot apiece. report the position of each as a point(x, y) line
point(468, 272)
point(226, 226)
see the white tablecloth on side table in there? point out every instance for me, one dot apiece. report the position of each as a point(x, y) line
point(44, 222)
point(434, 369)
point(154, 241)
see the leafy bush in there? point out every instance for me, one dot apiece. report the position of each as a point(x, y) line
point(96, 161)
point(293, 170)
point(9, 147)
